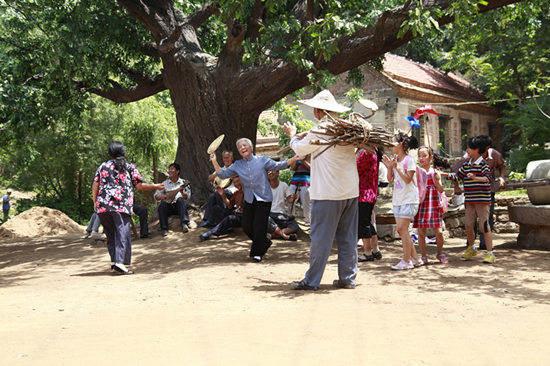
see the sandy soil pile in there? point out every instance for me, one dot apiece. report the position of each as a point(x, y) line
point(38, 222)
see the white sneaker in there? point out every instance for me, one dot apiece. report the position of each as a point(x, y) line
point(418, 262)
point(96, 236)
point(402, 265)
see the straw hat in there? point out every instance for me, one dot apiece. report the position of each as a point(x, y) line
point(368, 104)
point(326, 101)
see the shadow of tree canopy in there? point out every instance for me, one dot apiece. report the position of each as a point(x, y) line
point(24, 260)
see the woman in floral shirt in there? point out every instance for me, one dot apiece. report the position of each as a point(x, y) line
point(113, 196)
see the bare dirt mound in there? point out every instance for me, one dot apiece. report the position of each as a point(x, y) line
point(37, 222)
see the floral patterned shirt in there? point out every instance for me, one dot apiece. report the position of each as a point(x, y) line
point(116, 189)
point(367, 167)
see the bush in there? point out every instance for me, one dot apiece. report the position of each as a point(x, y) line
point(521, 156)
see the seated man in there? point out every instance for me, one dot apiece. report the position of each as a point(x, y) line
point(215, 209)
point(281, 225)
point(235, 204)
point(141, 212)
point(173, 197)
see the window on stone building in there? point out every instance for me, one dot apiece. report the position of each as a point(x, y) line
point(443, 145)
point(465, 132)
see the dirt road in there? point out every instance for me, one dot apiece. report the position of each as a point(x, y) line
point(194, 303)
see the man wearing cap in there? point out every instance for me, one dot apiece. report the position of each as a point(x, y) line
point(334, 190)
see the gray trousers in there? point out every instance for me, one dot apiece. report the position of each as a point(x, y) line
point(93, 224)
point(333, 221)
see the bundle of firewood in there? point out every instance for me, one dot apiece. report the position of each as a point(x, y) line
point(355, 130)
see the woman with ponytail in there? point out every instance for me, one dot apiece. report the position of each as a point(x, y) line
point(405, 201)
point(113, 196)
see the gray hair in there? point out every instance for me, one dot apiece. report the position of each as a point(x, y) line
point(245, 140)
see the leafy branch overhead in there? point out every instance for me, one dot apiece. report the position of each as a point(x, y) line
point(284, 42)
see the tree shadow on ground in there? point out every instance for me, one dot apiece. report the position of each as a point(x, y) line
point(506, 279)
point(25, 259)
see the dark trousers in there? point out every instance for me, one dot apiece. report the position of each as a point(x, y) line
point(491, 222)
point(254, 222)
point(168, 209)
point(118, 229)
point(215, 210)
point(226, 225)
point(281, 221)
point(141, 212)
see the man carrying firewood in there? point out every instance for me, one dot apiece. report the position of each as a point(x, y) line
point(334, 190)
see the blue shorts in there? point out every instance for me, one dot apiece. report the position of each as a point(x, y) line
point(407, 211)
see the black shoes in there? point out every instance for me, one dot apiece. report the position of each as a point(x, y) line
point(184, 228)
point(302, 286)
point(164, 232)
point(340, 284)
point(370, 257)
point(204, 236)
point(365, 258)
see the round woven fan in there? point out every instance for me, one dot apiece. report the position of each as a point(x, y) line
point(215, 144)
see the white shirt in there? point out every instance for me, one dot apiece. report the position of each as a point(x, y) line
point(382, 173)
point(404, 194)
point(333, 172)
point(278, 205)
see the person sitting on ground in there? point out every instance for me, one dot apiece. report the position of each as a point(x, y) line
point(141, 212)
point(6, 206)
point(174, 198)
point(281, 225)
point(235, 203)
point(215, 209)
point(93, 227)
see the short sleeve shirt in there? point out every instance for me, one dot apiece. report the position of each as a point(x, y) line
point(116, 189)
point(404, 193)
point(367, 167)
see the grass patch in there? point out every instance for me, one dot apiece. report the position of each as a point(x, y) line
point(522, 192)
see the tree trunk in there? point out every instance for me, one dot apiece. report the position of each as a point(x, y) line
point(204, 110)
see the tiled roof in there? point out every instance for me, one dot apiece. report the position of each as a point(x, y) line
point(428, 77)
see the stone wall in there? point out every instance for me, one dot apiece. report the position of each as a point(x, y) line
point(454, 218)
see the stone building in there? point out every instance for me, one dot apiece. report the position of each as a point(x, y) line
point(403, 85)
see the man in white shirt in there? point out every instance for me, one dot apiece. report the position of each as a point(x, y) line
point(280, 224)
point(173, 197)
point(334, 190)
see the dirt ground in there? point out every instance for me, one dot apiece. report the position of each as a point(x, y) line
point(193, 303)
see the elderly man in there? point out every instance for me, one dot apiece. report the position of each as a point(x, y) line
point(252, 170)
point(173, 199)
point(334, 190)
point(215, 210)
point(234, 203)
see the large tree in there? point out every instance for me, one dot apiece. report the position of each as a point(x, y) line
point(223, 63)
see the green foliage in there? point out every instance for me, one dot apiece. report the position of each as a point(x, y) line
point(516, 175)
point(290, 113)
point(528, 125)
point(286, 175)
point(59, 161)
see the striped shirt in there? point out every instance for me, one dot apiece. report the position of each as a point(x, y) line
point(475, 191)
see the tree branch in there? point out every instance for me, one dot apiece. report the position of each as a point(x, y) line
point(372, 42)
point(255, 20)
point(143, 12)
point(281, 78)
point(201, 16)
point(117, 93)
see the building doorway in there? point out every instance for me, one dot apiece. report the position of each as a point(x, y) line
point(465, 134)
